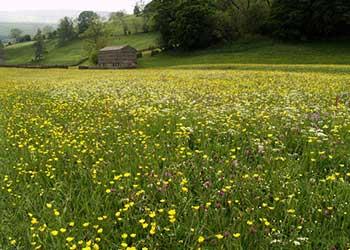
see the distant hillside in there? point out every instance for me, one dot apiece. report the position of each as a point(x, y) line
point(39, 16)
point(73, 52)
point(27, 28)
point(133, 23)
point(30, 21)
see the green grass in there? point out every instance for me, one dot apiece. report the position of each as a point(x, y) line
point(68, 54)
point(133, 23)
point(257, 52)
point(138, 41)
point(176, 158)
point(19, 53)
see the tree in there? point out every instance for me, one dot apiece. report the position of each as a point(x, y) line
point(136, 25)
point(125, 26)
point(118, 18)
point(194, 25)
point(85, 19)
point(295, 19)
point(165, 19)
point(65, 30)
point(242, 17)
point(25, 38)
point(16, 33)
point(148, 13)
point(52, 34)
point(39, 48)
point(137, 10)
point(145, 23)
point(47, 30)
point(96, 37)
point(115, 16)
point(329, 18)
point(187, 24)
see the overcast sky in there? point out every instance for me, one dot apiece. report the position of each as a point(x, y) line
point(98, 5)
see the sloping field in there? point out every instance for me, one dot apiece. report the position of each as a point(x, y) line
point(249, 52)
point(175, 158)
point(74, 51)
point(257, 52)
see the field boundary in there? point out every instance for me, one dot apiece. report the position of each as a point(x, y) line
point(26, 66)
point(106, 67)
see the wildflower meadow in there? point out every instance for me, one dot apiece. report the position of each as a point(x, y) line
point(175, 158)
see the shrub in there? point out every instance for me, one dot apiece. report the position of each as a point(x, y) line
point(25, 38)
point(155, 52)
point(139, 55)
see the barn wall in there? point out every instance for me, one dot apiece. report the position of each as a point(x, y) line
point(118, 57)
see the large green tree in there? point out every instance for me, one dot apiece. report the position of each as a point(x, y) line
point(194, 25)
point(66, 30)
point(96, 37)
point(137, 10)
point(85, 19)
point(165, 19)
point(39, 46)
point(48, 29)
point(15, 33)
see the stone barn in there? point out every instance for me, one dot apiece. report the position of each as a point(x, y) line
point(117, 57)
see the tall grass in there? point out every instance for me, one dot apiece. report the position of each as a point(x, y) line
point(174, 159)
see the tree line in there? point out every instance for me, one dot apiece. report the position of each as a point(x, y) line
point(192, 24)
point(18, 37)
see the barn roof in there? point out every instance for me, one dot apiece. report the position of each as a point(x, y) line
point(111, 48)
